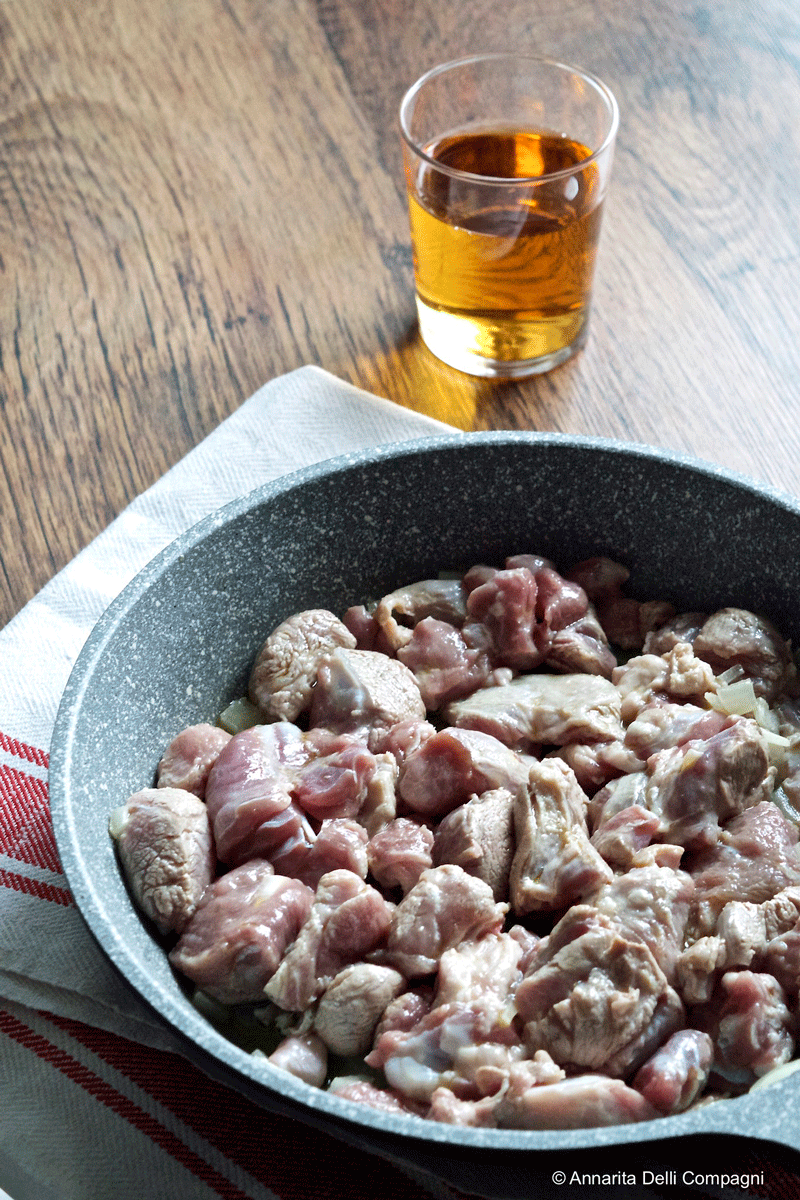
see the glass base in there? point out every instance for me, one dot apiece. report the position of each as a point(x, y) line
point(505, 348)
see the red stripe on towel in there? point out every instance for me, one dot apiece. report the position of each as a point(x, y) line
point(30, 753)
point(119, 1104)
point(26, 829)
point(34, 887)
point(310, 1163)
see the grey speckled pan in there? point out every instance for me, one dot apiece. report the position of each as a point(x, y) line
point(177, 645)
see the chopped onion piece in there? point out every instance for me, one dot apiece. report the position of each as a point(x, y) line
point(786, 806)
point(766, 718)
point(731, 675)
point(738, 698)
point(777, 1075)
point(239, 715)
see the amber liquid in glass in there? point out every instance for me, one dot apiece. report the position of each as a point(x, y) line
point(505, 272)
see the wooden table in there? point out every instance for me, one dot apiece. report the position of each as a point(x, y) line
point(198, 195)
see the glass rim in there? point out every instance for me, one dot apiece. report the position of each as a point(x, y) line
point(596, 83)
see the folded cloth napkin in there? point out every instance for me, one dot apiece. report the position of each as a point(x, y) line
point(94, 1100)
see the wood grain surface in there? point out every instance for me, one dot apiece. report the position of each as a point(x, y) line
point(198, 195)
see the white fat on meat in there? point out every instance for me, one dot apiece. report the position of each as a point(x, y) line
point(348, 919)
point(286, 667)
point(678, 675)
point(596, 763)
point(484, 970)
point(442, 599)
point(353, 1004)
point(444, 908)
point(363, 692)
point(754, 858)
point(554, 862)
point(303, 1055)
point(399, 852)
point(747, 928)
point(650, 904)
point(661, 724)
point(455, 764)
point(543, 709)
point(189, 757)
point(164, 842)
point(249, 797)
point(240, 931)
point(479, 836)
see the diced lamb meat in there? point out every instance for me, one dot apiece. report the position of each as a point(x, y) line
point(554, 862)
point(596, 763)
point(240, 932)
point(747, 928)
point(400, 852)
point(361, 1091)
point(380, 804)
point(446, 662)
point(406, 737)
point(286, 666)
point(364, 693)
point(699, 968)
point(164, 842)
point(347, 920)
point(549, 709)
point(485, 970)
point(629, 791)
point(479, 836)
point(249, 797)
point(650, 904)
point(678, 1071)
point(506, 606)
point(444, 908)
point(352, 1005)
point(334, 782)
point(598, 1001)
point(626, 622)
point(189, 757)
point(303, 1055)
point(682, 628)
point(442, 599)
point(698, 785)
point(341, 844)
point(662, 724)
point(751, 1026)
point(677, 675)
point(570, 635)
point(582, 1102)
point(619, 839)
point(406, 1011)
point(755, 857)
point(467, 1048)
point(454, 765)
point(735, 637)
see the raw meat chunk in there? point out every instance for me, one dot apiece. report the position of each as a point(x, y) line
point(352, 1005)
point(240, 931)
point(444, 908)
point(736, 637)
point(286, 666)
point(455, 764)
point(249, 797)
point(554, 862)
point(442, 599)
point(583, 1102)
point(164, 842)
point(303, 1055)
point(676, 1074)
point(189, 757)
point(364, 693)
point(751, 1026)
point(347, 920)
point(446, 662)
point(400, 852)
point(549, 709)
point(479, 836)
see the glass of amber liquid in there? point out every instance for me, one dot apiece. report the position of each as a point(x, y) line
point(507, 162)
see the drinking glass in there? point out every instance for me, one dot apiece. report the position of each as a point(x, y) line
point(507, 163)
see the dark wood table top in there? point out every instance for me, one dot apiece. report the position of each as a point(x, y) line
point(198, 195)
